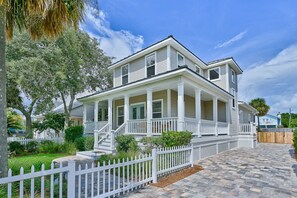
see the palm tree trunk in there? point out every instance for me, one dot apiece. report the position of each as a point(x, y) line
point(3, 117)
point(258, 123)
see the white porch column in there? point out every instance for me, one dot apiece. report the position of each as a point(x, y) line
point(149, 111)
point(110, 113)
point(126, 112)
point(96, 115)
point(228, 114)
point(198, 109)
point(215, 113)
point(168, 102)
point(180, 106)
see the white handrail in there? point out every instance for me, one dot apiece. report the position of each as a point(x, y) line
point(105, 130)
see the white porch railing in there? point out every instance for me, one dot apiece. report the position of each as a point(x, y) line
point(247, 129)
point(207, 127)
point(222, 128)
point(113, 178)
point(101, 134)
point(89, 127)
point(137, 126)
point(160, 125)
point(191, 125)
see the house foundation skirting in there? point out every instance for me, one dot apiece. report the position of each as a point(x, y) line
point(249, 141)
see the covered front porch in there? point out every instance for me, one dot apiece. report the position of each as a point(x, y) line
point(181, 106)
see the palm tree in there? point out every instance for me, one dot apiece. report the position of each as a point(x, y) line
point(261, 106)
point(41, 18)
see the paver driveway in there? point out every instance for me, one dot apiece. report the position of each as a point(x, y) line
point(266, 171)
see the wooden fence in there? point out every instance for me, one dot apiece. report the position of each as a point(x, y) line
point(276, 137)
point(109, 179)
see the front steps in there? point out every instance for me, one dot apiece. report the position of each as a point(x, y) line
point(105, 146)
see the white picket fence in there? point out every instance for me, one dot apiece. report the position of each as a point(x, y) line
point(25, 141)
point(109, 179)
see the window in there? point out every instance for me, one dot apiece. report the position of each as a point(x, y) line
point(233, 100)
point(103, 114)
point(150, 62)
point(120, 114)
point(157, 109)
point(125, 74)
point(180, 60)
point(233, 76)
point(214, 74)
point(198, 69)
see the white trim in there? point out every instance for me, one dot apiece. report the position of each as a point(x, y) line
point(128, 74)
point(162, 112)
point(117, 121)
point(114, 85)
point(233, 79)
point(154, 53)
point(184, 62)
point(168, 57)
point(227, 78)
point(197, 66)
point(169, 112)
point(216, 78)
point(234, 98)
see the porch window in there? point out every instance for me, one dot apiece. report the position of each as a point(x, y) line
point(120, 119)
point(233, 76)
point(125, 73)
point(157, 109)
point(233, 100)
point(214, 74)
point(150, 62)
point(103, 114)
point(180, 60)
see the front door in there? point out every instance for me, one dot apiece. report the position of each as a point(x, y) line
point(137, 111)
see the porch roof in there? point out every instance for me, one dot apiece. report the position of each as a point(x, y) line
point(247, 106)
point(171, 73)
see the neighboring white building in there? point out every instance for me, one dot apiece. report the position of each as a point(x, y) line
point(166, 87)
point(269, 121)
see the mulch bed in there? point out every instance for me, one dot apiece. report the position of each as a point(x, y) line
point(163, 182)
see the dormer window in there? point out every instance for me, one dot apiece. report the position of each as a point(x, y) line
point(150, 62)
point(125, 74)
point(180, 60)
point(233, 76)
point(198, 69)
point(214, 74)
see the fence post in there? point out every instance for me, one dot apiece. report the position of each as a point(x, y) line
point(192, 155)
point(154, 165)
point(71, 179)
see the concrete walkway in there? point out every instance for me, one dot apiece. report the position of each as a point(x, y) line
point(266, 171)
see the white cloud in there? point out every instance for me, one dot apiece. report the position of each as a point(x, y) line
point(274, 80)
point(115, 43)
point(232, 40)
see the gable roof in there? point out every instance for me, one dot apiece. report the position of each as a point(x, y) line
point(229, 60)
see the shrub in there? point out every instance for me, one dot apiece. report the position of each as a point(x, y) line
point(16, 147)
point(151, 142)
point(89, 143)
point(32, 146)
point(73, 132)
point(126, 143)
point(69, 148)
point(176, 138)
point(49, 147)
point(295, 140)
point(80, 143)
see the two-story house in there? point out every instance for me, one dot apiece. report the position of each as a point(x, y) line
point(165, 87)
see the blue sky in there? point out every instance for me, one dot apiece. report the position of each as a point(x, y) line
point(260, 35)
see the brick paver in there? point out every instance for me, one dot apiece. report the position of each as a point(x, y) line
point(266, 171)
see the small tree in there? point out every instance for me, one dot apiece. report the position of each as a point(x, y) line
point(261, 106)
point(54, 121)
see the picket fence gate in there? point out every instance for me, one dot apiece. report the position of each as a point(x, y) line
point(113, 178)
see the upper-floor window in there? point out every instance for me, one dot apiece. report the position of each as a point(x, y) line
point(150, 62)
point(233, 76)
point(157, 109)
point(214, 74)
point(180, 59)
point(233, 100)
point(198, 69)
point(125, 74)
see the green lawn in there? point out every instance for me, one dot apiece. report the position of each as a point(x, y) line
point(37, 160)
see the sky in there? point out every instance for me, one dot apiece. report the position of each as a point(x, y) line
point(260, 35)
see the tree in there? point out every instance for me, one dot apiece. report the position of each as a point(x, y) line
point(14, 120)
point(285, 119)
point(54, 121)
point(261, 106)
point(30, 73)
point(45, 18)
point(82, 67)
